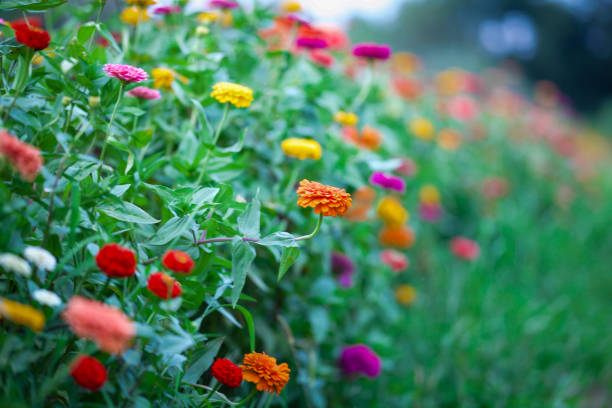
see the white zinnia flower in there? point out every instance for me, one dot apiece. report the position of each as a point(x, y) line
point(40, 257)
point(46, 297)
point(13, 263)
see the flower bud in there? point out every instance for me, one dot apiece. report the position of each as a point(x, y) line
point(94, 101)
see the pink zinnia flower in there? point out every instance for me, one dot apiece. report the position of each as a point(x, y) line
point(372, 51)
point(107, 326)
point(322, 58)
point(125, 73)
point(464, 248)
point(165, 10)
point(24, 157)
point(359, 359)
point(394, 260)
point(430, 212)
point(312, 43)
point(388, 181)
point(226, 4)
point(142, 92)
point(463, 108)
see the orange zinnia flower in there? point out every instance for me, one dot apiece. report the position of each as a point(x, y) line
point(326, 200)
point(397, 236)
point(262, 370)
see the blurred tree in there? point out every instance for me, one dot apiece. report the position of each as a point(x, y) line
point(573, 39)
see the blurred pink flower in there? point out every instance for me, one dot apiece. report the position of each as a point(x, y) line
point(464, 248)
point(24, 157)
point(372, 51)
point(107, 326)
point(463, 108)
point(226, 4)
point(495, 187)
point(407, 168)
point(165, 10)
point(322, 58)
point(142, 92)
point(395, 260)
point(430, 212)
point(125, 73)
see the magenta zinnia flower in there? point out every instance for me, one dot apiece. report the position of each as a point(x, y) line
point(167, 10)
point(313, 43)
point(142, 92)
point(344, 268)
point(372, 51)
point(125, 73)
point(388, 181)
point(359, 359)
point(226, 4)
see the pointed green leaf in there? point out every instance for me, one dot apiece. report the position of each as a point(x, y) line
point(242, 258)
point(289, 256)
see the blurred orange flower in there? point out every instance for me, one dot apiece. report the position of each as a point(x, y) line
point(397, 236)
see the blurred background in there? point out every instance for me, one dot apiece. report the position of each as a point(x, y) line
point(568, 42)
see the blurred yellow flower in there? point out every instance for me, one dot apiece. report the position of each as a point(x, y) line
point(449, 82)
point(202, 30)
point(405, 63)
point(207, 17)
point(429, 194)
point(22, 314)
point(291, 6)
point(238, 95)
point(346, 119)
point(141, 3)
point(405, 294)
point(422, 128)
point(449, 139)
point(134, 15)
point(391, 211)
point(301, 148)
point(162, 78)
point(227, 19)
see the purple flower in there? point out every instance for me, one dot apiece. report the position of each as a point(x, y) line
point(359, 359)
point(226, 4)
point(313, 43)
point(372, 51)
point(344, 268)
point(430, 212)
point(388, 181)
point(167, 10)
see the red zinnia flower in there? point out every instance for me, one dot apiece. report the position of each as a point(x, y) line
point(88, 372)
point(226, 372)
point(116, 261)
point(178, 261)
point(31, 35)
point(465, 248)
point(163, 285)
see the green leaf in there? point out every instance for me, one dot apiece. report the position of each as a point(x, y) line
point(86, 31)
point(127, 212)
point(173, 228)
point(248, 221)
point(283, 239)
point(203, 359)
point(108, 36)
point(250, 325)
point(32, 5)
point(207, 129)
point(235, 148)
point(243, 255)
point(205, 195)
point(289, 256)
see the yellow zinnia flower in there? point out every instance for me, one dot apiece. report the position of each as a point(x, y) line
point(301, 148)
point(227, 19)
point(405, 294)
point(22, 314)
point(162, 78)
point(390, 210)
point(238, 95)
point(449, 139)
point(422, 128)
point(429, 194)
point(291, 6)
point(141, 3)
point(346, 119)
point(134, 15)
point(207, 17)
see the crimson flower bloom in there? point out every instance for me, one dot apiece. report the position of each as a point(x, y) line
point(88, 372)
point(116, 261)
point(227, 373)
point(164, 286)
point(178, 261)
point(30, 35)
point(464, 248)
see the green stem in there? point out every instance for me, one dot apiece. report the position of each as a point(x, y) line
point(313, 233)
point(112, 119)
point(100, 8)
point(104, 288)
point(365, 89)
point(248, 398)
point(212, 391)
point(214, 141)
